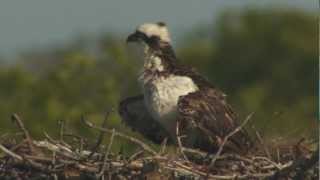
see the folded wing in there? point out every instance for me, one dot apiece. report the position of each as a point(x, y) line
point(206, 119)
point(135, 114)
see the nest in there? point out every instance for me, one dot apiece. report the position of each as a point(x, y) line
point(27, 158)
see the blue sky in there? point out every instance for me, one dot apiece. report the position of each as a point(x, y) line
point(28, 24)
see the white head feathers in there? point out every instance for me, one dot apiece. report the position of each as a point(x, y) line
point(155, 29)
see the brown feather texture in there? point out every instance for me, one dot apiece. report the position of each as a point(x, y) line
point(135, 114)
point(206, 115)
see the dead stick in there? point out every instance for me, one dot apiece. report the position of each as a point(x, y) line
point(301, 165)
point(135, 155)
point(15, 118)
point(268, 160)
point(107, 154)
point(12, 154)
point(50, 139)
point(179, 142)
point(101, 136)
point(132, 139)
point(266, 150)
point(225, 139)
point(231, 176)
point(61, 123)
point(163, 146)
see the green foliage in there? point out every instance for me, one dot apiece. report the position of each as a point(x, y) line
point(265, 60)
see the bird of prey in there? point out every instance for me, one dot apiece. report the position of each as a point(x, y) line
point(174, 94)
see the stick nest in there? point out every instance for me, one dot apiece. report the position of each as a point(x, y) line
point(73, 157)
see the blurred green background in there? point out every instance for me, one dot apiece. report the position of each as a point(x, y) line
point(264, 59)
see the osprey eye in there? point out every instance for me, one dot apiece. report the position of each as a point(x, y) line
point(154, 39)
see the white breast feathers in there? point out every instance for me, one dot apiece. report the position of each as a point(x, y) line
point(162, 95)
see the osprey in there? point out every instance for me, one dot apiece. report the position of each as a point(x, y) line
point(176, 93)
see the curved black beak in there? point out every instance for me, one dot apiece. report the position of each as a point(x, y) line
point(133, 37)
point(137, 36)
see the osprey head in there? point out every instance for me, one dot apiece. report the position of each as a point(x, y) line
point(151, 34)
point(152, 44)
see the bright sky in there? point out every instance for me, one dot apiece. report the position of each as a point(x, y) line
point(28, 24)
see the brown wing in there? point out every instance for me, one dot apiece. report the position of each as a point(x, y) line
point(134, 113)
point(207, 118)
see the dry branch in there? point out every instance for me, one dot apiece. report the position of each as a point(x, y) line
point(10, 153)
point(179, 142)
point(226, 138)
point(132, 139)
point(15, 118)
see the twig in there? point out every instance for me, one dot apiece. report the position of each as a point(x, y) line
point(58, 148)
point(12, 154)
point(225, 139)
point(110, 142)
point(268, 160)
point(132, 139)
point(135, 155)
point(278, 155)
point(179, 142)
point(15, 118)
point(226, 176)
point(50, 139)
point(18, 145)
point(237, 156)
point(163, 146)
point(101, 135)
point(39, 166)
point(195, 151)
point(49, 160)
point(61, 123)
point(107, 154)
point(266, 150)
point(80, 140)
point(303, 164)
point(54, 164)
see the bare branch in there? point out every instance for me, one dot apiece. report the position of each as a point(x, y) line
point(265, 148)
point(101, 136)
point(163, 146)
point(132, 139)
point(226, 138)
point(179, 142)
point(15, 118)
point(107, 154)
point(10, 153)
point(61, 124)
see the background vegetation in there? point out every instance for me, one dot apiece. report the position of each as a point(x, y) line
point(265, 60)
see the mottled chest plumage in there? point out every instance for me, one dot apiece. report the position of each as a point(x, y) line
point(162, 94)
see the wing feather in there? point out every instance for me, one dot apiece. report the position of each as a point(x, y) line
point(134, 113)
point(207, 119)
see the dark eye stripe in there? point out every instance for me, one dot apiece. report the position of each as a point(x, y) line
point(154, 42)
point(141, 35)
